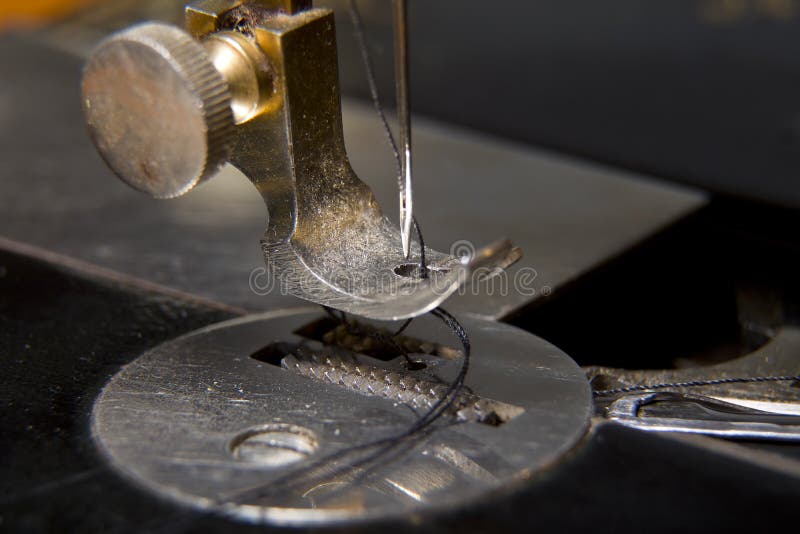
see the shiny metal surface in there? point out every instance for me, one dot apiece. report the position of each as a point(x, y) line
point(200, 420)
point(411, 388)
point(246, 71)
point(569, 215)
point(714, 418)
point(778, 357)
point(327, 240)
point(403, 96)
point(157, 110)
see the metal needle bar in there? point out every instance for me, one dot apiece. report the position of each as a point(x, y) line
point(403, 116)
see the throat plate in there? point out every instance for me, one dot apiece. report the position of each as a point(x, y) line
point(207, 419)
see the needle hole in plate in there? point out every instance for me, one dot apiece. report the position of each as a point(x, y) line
point(412, 270)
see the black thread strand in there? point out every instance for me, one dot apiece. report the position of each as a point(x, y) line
point(403, 327)
point(696, 383)
point(423, 265)
point(423, 424)
point(358, 31)
point(420, 428)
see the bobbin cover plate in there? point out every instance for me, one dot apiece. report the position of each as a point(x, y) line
point(157, 109)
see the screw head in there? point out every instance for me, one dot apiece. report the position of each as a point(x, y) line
point(158, 111)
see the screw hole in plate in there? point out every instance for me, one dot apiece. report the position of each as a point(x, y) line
point(274, 445)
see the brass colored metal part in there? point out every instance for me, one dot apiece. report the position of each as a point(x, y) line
point(327, 240)
point(208, 16)
point(290, 7)
point(246, 71)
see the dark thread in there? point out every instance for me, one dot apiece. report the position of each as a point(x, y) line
point(695, 383)
point(403, 327)
point(358, 31)
point(332, 313)
point(423, 425)
point(423, 265)
point(418, 430)
point(389, 339)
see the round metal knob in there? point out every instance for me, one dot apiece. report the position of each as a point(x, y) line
point(158, 110)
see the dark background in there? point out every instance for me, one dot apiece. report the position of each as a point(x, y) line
point(698, 91)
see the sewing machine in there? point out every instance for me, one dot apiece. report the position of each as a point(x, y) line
point(213, 390)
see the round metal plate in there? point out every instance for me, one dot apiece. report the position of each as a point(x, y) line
point(199, 420)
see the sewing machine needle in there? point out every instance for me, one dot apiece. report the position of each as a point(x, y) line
point(403, 115)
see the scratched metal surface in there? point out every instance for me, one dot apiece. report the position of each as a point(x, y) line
point(60, 341)
point(175, 419)
point(567, 215)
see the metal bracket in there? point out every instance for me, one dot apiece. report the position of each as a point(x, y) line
point(327, 240)
point(698, 414)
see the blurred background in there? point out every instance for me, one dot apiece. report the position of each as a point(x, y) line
point(697, 91)
point(645, 155)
